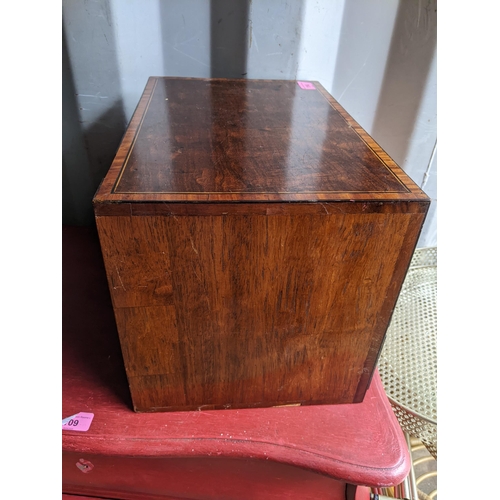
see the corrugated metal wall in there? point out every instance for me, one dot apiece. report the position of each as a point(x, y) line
point(376, 57)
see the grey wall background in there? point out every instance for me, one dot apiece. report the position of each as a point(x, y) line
point(376, 57)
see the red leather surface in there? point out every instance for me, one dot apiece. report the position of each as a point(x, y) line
point(252, 453)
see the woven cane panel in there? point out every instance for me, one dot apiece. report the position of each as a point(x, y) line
point(408, 362)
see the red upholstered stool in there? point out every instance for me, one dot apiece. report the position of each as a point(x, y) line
point(309, 452)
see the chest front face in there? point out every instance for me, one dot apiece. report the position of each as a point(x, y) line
point(255, 240)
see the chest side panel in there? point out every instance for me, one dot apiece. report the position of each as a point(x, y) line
point(251, 310)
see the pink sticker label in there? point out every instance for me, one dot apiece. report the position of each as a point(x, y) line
point(306, 85)
point(79, 422)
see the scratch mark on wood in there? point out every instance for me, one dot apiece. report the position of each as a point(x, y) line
point(192, 245)
point(325, 209)
point(120, 278)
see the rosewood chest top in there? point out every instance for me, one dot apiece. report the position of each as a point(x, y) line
point(255, 239)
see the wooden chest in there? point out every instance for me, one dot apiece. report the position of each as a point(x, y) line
point(255, 240)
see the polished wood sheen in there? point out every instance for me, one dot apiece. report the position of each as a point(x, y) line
point(255, 241)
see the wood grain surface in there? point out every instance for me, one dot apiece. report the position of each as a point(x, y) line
point(248, 140)
point(232, 311)
point(255, 241)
